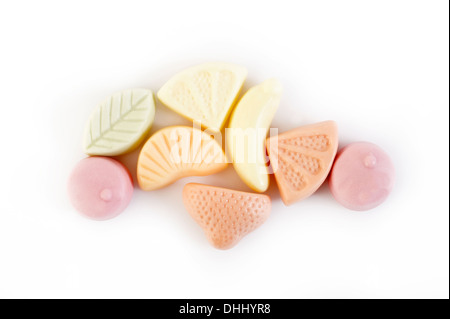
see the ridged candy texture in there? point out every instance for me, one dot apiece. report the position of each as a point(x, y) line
point(302, 158)
point(176, 152)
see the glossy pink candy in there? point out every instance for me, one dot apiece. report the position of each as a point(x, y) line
point(362, 176)
point(100, 188)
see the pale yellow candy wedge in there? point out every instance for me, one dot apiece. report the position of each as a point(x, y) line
point(176, 152)
point(120, 123)
point(204, 93)
point(249, 124)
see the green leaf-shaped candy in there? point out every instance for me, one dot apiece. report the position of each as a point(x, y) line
point(119, 124)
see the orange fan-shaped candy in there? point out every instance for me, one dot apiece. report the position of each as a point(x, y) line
point(302, 158)
point(176, 152)
point(225, 215)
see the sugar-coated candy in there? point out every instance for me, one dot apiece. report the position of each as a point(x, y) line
point(100, 187)
point(362, 176)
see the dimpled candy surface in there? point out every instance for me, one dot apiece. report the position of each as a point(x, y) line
point(302, 158)
point(362, 176)
point(225, 215)
point(204, 92)
point(100, 188)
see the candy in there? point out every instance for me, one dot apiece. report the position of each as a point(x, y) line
point(302, 158)
point(225, 215)
point(100, 188)
point(120, 123)
point(362, 176)
point(205, 92)
point(246, 135)
point(176, 152)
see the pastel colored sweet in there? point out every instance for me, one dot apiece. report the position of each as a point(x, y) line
point(204, 92)
point(362, 176)
point(176, 152)
point(225, 215)
point(247, 132)
point(100, 188)
point(302, 158)
point(120, 123)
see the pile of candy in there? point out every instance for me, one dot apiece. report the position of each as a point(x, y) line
point(361, 174)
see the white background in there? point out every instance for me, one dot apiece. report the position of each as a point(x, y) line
point(378, 68)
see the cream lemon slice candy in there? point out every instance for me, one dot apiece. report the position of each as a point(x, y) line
point(204, 92)
point(248, 127)
point(119, 124)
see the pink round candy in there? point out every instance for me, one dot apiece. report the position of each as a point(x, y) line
point(100, 188)
point(362, 176)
